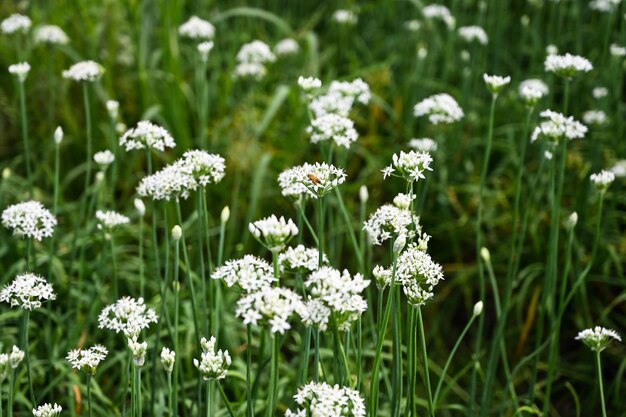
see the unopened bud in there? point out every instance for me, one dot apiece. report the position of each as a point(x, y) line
point(478, 308)
point(484, 253)
point(572, 220)
point(6, 173)
point(113, 108)
point(363, 194)
point(177, 233)
point(225, 215)
point(140, 206)
point(398, 245)
point(58, 135)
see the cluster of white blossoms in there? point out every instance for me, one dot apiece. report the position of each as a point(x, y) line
point(20, 70)
point(334, 298)
point(439, 12)
point(273, 232)
point(603, 179)
point(272, 306)
point(619, 168)
point(248, 273)
point(300, 259)
point(29, 219)
point(598, 338)
point(252, 58)
point(567, 65)
point(127, 315)
point(345, 17)
point(47, 410)
point(313, 180)
point(595, 117)
point(51, 34)
point(321, 399)
point(27, 291)
point(137, 350)
point(473, 33)
point(16, 23)
point(557, 126)
point(168, 357)
point(605, 6)
point(213, 365)
point(110, 219)
point(206, 168)
point(496, 83)
point(532, 90)
point(423, 144)
point(599, 92)
point(87, 360)
point(418, 274)
point(84, 71)
point(390, 221)
point(286, 46)
point(440, 108)
point(617, 51)
point(309, 84)
point(333, 127)
point(147, 135)
point(409, 165)
point(10, 360)
point(205, 48)
point(104, 158)
point(197, 28)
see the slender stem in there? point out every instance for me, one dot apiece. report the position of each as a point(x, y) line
point(11, 391)
point(601, 384)
point(25, 140)
point(420, 323)
point(320, 229)
point(359, 354)
point(273, 376)
point(141, 264)
point(176, 323)
point(316, 356)
point(29, 250)
point(139, 405)
point(200, 249)
point(397, 352)
point(249, 409)
point(113, 265)
point(209, 395)
point(89, 138)
point(89, 395)
point(411, 364)
point(170, 406)
point(351, 234)
point(26, 319)
point(57, 164)
point(229, 408)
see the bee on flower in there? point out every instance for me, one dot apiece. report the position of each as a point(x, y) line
point(311, 180)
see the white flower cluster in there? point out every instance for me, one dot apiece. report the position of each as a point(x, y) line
point(127, 315)
point(213, 365)
point(16, 23)
point(604, 6)
point(403, 201)
point(557, 127)
point(301, 259)
point(345, 17)
point(84, 71)
point(29, 219)
point(137, 350)
point(87, 360)
point(313, 180)
point(599, 92)
point(440, 108)
point(110, 219)
point(603, 179)
point(27, 291)
point(20, 70)
point(619, 169)
point(168, 357)
point(423, 144)
point(439, 12)
point(47, 410)
point(205, 48)
point(334, 298)
point(598, 338)
point(473, 33)
point(309, 84)
point(14, 358)
point(249, 273)
point(496, 83)
point(252, 58)
point(409, 165)
point(104, 158)
point(147, 135)
point(390, 221)
point(595, 117)
point(321, 399)
point(333, 127)
point(567, 65)
point(286, 46)
point(273, 233)
point(532, 90)
point(51, 34)
point(197, 28)
point(617, 50)
point(418, 274)
point(273, 306)
point(206, 168)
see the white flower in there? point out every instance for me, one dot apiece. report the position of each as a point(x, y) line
point(331, 103)
point(389, 222)
point(213, 365)
point(147, 135)
point(409, 165)
point(440, 108)
point(567, 65)
point(552, 49)
point(51, 34)
point(495, 83)
point(313, 180)
point(84, 71)
point(319, 399)
point(478, 309)
point(110, 219)
point(363, 194)
point(605, 6)
point(47, 410)
point(251, 70)
point(595, 117)
point(599, 92)
point(333, 127)
point(619, 169)
point(345, 17)
point(4, 366)
point(439, 12)
point(127, 315)
point(196, 28)
point(557, 126)
point(20, 70)
point(29, 219)
point(27, 291)
point(249, 273)
point(168, 357)
point(273, 233)
point(206, 168)
point(272, 306)
point(603, 179)
point(418, 274)
point(286, 46)
point(532, 90)
point(225, 215)
point(113, 108)
point(356, 89)
point(138, 351)
point(300, 259)
point(16, 23)
point(309, 84)
point(256, 52)
point(139, 206)
point(473, 33)
point(204, 48)
point(104, 158)
point(413, 25)
point(423, 144)
point(617, 50)
point(15, 357)
point(58, 135)
point(598, 338)
point(403, 201)
point(87, 360)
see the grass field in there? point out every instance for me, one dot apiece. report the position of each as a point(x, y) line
point(320, 209)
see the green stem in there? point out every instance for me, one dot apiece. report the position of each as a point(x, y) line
point(113, 265)
point(203, 231)
point(599, 364)
point(316, 356)
point(229, 408)
point(26, 319)
point(170, 406)
point(89, 395)
point(273, 376)
point(209, 397)
point(420, 323)
point(89, 138)
point(351, 234)
point(320, 229)
point(25, 140)
point(141, 265)
point(249, 409)
point(410, 409)
point(176, 323)
point(57, 164)
point(29, 249)
point(397, 352)
point(11, 392)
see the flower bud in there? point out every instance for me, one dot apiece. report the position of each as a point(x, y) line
point(113, 108)
point(484, 253)
point(100, 176)
point(15, 357)
point(363, 194)
point(572, 220)
point(6, 173)
point(177, 233)
point(225, 215)
point(399, 244)
point(58, 135)
point(478, 308)
point(140, 206)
